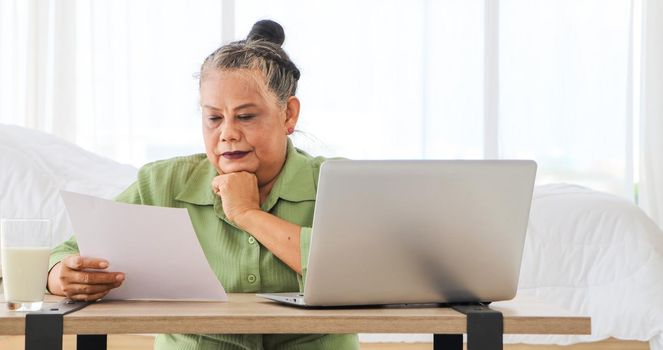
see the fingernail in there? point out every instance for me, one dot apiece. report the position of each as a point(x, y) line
point(103, 264)
point(119, 277)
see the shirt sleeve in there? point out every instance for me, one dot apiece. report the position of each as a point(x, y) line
point(304, 244)
point(68, 247)
point(131, 195)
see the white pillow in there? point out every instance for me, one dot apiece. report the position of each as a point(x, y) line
point(596, 254)
point(35, 166)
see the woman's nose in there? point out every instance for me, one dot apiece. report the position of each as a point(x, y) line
point(229, 132)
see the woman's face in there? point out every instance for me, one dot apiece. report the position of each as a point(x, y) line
point(244, 126)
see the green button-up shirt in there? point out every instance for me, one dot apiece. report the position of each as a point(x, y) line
point(240, 262)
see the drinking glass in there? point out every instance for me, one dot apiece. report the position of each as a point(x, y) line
point(25, 249)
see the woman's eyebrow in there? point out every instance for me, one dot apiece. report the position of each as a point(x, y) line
point(246, 105)
point(211, 107)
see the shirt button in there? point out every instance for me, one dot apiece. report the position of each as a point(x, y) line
point(252, 278)
point(252, 240)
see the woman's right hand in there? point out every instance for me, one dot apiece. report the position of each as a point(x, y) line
point(68, 278)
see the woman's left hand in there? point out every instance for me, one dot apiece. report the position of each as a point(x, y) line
point(239, 193)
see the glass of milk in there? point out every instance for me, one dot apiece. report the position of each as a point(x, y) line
point(26, 246)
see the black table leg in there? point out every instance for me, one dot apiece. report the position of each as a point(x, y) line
point(485, 327)
point(91, 342)
point(447, 342)
point(44, 328)
point(43, 332)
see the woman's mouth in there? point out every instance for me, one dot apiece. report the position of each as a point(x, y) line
point(234, 154)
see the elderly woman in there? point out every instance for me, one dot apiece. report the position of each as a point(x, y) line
point(250, 197)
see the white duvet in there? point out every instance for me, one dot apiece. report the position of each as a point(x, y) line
point(599, 255)
point(587, 251)
point(33, 168)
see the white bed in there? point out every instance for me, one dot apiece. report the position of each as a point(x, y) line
point(587, 251)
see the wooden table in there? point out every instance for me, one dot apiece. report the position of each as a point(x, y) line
point(246, 313)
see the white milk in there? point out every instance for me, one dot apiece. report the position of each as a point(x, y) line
point(24, 273)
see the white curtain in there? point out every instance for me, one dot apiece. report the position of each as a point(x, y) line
point(115, 77)
point(651, 185)
point(541, 79)
point(37, 65)
point(564, 90)
point(136, 61)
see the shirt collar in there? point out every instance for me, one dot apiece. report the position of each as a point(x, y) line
point(295, 183)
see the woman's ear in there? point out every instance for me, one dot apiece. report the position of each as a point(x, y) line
point(291, 114)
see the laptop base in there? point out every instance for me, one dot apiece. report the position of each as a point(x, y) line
point(296, 299)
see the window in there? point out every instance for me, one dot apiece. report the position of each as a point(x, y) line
point(380, 79)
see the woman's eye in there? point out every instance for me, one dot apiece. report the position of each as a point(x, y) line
point(245, 116)
point(213, 118)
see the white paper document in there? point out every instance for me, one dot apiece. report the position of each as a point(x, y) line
point(155, 247)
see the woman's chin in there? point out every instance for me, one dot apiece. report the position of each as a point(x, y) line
point(236, 168)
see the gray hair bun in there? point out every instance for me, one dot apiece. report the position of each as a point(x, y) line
point(267, 30)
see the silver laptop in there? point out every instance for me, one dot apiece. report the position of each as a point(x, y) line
point(416, 231)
